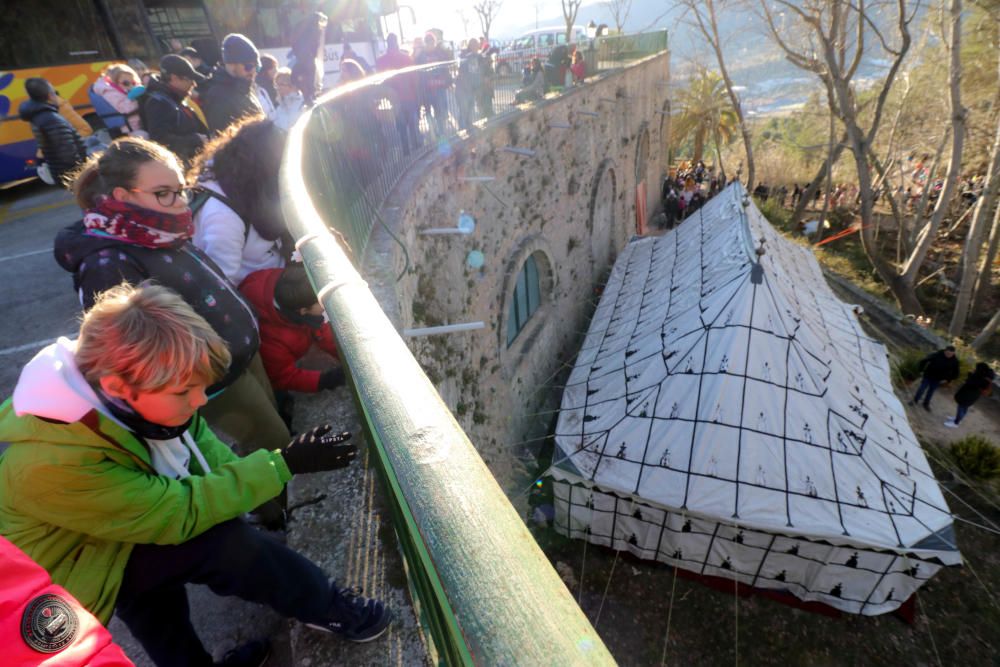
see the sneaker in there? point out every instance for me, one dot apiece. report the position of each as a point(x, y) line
point(927, 407)
point(951, 423)
point(251, 654)
point(911, 403)
point(355, 617)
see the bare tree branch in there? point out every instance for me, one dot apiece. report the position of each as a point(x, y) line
point(569, 10)
point(619, 10)
point(487, 11)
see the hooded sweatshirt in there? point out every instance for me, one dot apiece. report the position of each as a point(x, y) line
point(78, 489)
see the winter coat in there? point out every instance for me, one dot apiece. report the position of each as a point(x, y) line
point(170, 121)
point(233, 245)
point(288, 110)
point(404, 85)
point(265, 100)
point(977, 384)
point(67, 111)
point(940, 368)
point(61, 145)
point(27, 592)
point(99, 262)
point(284, 342)
point(227, 99)
point(78, 490)
point(118, 99)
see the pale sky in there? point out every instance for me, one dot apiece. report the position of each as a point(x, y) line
point(444, 14)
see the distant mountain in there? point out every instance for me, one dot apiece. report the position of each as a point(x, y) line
point(755, 62)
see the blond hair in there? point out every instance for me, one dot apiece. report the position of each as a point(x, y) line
point(150, 338)
point(284, 75)
point(116, 71)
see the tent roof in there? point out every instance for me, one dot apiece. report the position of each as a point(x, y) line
point(712, 384)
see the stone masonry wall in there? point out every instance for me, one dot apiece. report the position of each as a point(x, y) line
point(571, 204)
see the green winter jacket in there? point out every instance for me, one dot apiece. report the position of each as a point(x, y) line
point(76, 497)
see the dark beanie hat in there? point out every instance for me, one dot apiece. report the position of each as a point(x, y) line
point(238, 49)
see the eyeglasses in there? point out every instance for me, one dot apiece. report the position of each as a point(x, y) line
point(128, 83)
point(167, 197)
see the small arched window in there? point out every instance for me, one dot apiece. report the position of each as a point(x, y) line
point(525, 300)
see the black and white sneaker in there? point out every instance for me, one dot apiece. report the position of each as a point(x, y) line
point(355, 617)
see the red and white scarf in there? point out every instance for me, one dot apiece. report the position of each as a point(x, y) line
point(139, 226)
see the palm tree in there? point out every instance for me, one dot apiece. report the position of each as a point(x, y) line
point(705, 113)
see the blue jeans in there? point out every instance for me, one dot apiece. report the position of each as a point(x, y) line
point(961, 412)
point(929, 386)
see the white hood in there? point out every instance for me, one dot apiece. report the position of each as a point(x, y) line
point(52, 387)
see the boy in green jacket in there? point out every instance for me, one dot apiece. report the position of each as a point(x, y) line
point(115, 485)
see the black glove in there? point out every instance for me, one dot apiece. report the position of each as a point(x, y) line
point(317, 450)
point(331, 379)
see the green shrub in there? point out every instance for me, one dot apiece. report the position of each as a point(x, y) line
point(906, 367)
point(977, 457)
point(775, 213)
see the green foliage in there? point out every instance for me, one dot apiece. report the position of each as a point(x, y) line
point(977, 457)
point(906, 367)
point(706, 113)
point(776, 214)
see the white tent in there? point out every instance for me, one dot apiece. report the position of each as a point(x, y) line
point(727, 414)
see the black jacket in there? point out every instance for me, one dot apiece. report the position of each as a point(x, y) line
point(60, 143)
point(978, 383)
point(99, 263)
point(226, 99)
point(939, 367)
point(169, 122)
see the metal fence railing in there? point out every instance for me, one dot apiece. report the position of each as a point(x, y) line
point(363, 139)
point(486, 593)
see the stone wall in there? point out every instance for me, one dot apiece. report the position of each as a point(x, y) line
point(570, 204)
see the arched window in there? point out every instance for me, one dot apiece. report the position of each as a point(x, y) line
point(525, 300)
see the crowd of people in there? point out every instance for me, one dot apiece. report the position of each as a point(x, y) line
point(195, 321)
point(686, 189)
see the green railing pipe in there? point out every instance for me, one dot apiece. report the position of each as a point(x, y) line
point(486, 593)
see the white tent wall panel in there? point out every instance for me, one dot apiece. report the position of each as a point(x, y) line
point(746, 392)
point(848, 578)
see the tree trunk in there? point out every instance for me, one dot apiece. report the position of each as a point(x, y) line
point(974, 241)
point(820, 227)
point(718, 156)
point(958, 115)
point(711, 34)
point(699, 145)
point(810, 191)
point(985, 282)
point(987, 332)
point(917, 226)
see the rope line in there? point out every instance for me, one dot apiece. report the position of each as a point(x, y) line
point(930, 633)
point(607, 587)
point(670, 613)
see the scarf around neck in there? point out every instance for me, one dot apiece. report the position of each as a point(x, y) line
point(132, 420)
point(139, 226)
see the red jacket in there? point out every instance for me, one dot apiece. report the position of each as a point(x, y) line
point(42, 624)
point(283, 342)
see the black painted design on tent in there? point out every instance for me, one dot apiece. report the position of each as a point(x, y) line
point(752, 421)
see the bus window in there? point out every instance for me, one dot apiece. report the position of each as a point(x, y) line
point(175, 24)
point(560, 38)
point(26, 40)
point(129, 29)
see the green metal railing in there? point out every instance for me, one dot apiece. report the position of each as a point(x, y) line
point(485, 592)
point(619, 50)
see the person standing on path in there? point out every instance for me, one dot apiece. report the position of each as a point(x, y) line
point(978, 383)
point(939, 368)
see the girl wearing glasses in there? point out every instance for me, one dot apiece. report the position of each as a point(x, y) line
point(137, 226)
point(114, 85)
